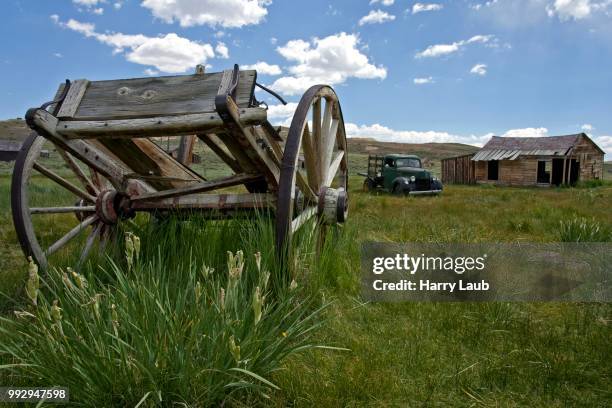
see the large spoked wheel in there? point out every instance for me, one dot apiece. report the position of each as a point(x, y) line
point(59, 205)
point(314, 171)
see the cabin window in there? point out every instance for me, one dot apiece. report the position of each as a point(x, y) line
point(493, 170)
point(543, 172)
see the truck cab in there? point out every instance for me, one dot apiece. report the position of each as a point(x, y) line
point(400, 174)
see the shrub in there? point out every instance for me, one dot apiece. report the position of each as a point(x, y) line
point(148, 330)
point(583, 230)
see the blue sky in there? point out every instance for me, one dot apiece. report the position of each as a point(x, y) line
point(405, 71)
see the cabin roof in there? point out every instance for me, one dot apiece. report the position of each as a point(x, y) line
point(510, 148)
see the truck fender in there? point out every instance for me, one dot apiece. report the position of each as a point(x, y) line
point(402, 181)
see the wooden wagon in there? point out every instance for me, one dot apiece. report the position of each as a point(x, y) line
point(112, 168)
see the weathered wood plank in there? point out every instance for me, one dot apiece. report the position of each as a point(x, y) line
point(185, 149)
point(147, 159)
point(159, 96)
point(158, 126)
point(200, 187)
point(220, 152)
point(209, 201)
point(45, 125)
point(73, 98)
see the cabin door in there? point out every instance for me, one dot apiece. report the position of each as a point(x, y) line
point(574, 171)
point(557, 172)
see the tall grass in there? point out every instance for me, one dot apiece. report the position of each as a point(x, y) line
point(180, 320)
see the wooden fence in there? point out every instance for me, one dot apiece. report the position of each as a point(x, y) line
point(458, 170)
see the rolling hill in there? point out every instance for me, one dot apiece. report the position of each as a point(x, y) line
point(16, 129)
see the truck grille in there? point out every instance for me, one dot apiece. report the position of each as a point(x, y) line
point(422, 184)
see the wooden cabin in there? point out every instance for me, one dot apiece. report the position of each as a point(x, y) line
point(458, 170)
point(538, 161)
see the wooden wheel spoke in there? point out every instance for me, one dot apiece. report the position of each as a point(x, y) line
point(304, 187)
point(61, 210)
point(76, 169)
point(334, 166)
point(64, 183)
point(71, 234)
point(316, 124)
point(304, 216)
point(310, 160)
point(95, 232)
point(328, 147)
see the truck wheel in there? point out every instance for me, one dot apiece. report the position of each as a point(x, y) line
point(368, 185)
point(398, 190)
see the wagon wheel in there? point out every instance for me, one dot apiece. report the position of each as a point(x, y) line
point(54, 207)
point(314, 172)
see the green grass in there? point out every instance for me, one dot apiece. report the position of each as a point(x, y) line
point(553, 354)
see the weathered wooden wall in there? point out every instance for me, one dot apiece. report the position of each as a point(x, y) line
point(458, 170)
point(519, 172)
point(590, 158)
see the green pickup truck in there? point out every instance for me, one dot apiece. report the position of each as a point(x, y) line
point(399, 174)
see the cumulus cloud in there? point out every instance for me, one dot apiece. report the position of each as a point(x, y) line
point(221, 50)
point(605, 143)
point(439, 50)
point(587, 128)
point(264, 68)
point(479, 69)
point(376, 17)
point(383, 2)
point(423, 81)
point(566, 9)
point(421, 7)
point(169, 53)
point(330, 60)
point(527, 132)
point(224, 13)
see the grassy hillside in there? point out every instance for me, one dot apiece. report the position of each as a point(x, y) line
point(13, 129)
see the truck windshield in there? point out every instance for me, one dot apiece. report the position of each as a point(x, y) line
point(408, 163)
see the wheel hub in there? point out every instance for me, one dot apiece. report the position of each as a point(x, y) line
point(333, 205)
point(112, 206)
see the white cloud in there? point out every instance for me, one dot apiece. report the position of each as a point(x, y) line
point(225, 13)
point(54, 18)
point(150, 72)
point(169, 53)
point(57, 55)
point(423, 81)
point(421, 7)
point(479, 69)
point(273, 40)
point(330, 60)
point(264, 68)
point(385, 134)
point(376, 17)
point(98, 11)
point(221, 50)
point(566, 9)
point(605, 143)
point(587, 128)
point(117, 5)
point(383, 2)
point(439, 50)
point(527, 132)
point(87, 3)
point(282, 114)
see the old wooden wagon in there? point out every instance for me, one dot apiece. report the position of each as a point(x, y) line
point(112, 168)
